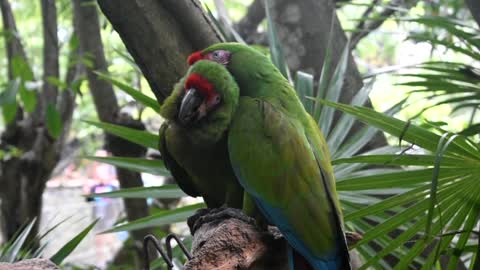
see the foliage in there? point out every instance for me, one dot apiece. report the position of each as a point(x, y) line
point(404, 200)
point(453, 83)
point(22, 246)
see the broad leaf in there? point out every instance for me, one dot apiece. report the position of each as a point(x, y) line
point(54, 121)
point(151, 166)
point(163, 218)
point(134, 93)
point(68, 248)
point(139, 137)
point(160, 192)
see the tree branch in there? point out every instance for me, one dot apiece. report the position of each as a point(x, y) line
point(50, 52)
point(106, 105)
point(88, 29)
point(66, 100)
point(14, 49)
point(364, 29)
point(304, 31)
point(160, 35)
point(247, 26)
point(226, 239)
point(12, 38)
point(31, 264)
point(230, 243)
point(366, 14)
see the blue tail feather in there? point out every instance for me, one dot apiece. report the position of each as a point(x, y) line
point(333, 261)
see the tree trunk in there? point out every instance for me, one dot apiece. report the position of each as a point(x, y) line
point(159, 36)
point(106, 105)
point(305, 29)
point(160, 40)
point(23, 176)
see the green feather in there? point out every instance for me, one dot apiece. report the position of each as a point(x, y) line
point(197, 155)
point(276, 144)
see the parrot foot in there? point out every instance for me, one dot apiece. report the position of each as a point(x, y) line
point(209, 215)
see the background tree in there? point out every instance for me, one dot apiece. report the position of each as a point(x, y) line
point(34, 137)
point(159, 35)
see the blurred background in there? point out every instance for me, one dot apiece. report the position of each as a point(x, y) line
point(422, 54)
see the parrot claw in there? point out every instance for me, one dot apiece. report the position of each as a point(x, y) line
point(207, 215)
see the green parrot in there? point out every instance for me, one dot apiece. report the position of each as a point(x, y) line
point(193, 139)
point(281, 159)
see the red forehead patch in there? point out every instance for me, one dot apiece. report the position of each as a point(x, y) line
point(194, 57)
point(201, 84)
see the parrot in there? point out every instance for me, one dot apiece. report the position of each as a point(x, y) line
point(193, 137)
point(281, 159)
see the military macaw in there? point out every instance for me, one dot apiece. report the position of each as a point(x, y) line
point(281, 158)
point(193, 139)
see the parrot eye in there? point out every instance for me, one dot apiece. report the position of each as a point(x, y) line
point(220, 56)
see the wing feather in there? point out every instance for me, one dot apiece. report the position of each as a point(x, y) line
point(181, 176)
point(275, 162)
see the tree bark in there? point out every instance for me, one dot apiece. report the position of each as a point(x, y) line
point(23, 177)
point(31, 264)
point(88, 29)
point(474, 7)
point(50, 51)
point(160, 42)
point(227, 239)
point(233, 244)
point(305, 29)
point(13, 43)
point(106, 105)
point(160, 35)
point(304, 32)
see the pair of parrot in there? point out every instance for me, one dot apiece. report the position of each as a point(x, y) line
point(236, 133)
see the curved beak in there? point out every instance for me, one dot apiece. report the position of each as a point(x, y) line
point(189, 108)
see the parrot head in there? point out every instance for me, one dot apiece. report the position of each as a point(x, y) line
point(230, 54)
point(245, 63)
point(208, 89)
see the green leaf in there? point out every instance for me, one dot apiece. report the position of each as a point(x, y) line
point(142, 165)
point(8, 100)
point(54, 121)
point(8, 96)
point(12, 250)
point(22, 70)
point(28, 98)
point(325, 75)
point(76, 84)
point(342, 127)
point(71, 245)
point(9, 112)
point(304, 87)
point(441, 148)
point(471, 130)
point(452, 26)
point(160, 192)
point(334, 91)
point(404, 179)
point(163, 218)
point(414, 134)
point(276, 51)
point(405, 160)
point(56, 82)
point(139, 137)
point(134, 93)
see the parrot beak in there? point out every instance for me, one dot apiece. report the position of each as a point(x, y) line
point(190, 108)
